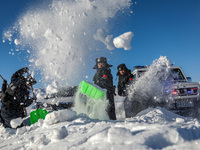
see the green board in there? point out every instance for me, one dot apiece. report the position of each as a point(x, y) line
point(38, 114)
point(91, 90)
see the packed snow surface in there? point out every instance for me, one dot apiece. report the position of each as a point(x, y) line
point(153, 128)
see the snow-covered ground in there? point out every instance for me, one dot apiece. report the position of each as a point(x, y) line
point(61, 38)
point(153, 128)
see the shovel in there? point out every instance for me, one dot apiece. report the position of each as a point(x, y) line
point(91, 90)
point(38, 114)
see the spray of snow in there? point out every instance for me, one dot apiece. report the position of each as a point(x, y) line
point(61, 35)
point(17, 41)
point(150, 86)
point(52, 88)
point(102, 36)
point(95, 109)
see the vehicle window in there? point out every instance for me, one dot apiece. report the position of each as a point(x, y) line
point(140, 73)
point(177, 74)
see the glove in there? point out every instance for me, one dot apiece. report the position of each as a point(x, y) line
point(11, 89)
point(29, 102)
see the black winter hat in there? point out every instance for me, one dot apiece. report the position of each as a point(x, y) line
point(101, 60)
point(121, 67)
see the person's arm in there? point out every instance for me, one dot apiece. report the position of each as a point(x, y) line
point(28, 102)
point(120, 90)
point(5, 96)
point(4, 86)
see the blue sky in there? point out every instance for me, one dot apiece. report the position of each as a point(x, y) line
point(164, 27)
point(161, 28)
point(9, 12)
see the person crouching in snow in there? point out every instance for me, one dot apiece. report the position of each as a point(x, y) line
point(15, 97)
point(104, 79)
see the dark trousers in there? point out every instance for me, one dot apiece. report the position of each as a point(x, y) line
point(111, 106)
point(9, 114)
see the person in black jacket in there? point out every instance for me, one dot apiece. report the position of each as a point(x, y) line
point(104, 79)
point(125, 77)
point(15, 97)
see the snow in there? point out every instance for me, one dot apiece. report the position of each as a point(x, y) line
point(102, 36)
point(153, 128)
point(123, 41)
point(149, 85)
point(17, 41)
point(95, 109)
point(16, 122)
point(59, 116)
point(60, 36)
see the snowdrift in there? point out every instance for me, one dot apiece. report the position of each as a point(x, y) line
point(153, 128)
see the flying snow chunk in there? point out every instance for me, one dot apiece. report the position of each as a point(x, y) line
point(102, 36)
point(123, 41)
point(17, 41)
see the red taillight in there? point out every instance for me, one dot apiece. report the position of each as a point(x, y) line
point(195, 90)
point(175, 92)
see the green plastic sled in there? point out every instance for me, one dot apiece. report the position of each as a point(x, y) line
point(38, 114)
point(91, 90)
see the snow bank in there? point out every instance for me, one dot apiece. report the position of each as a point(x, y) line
point(158, 115)
point(59, 116)
point(154, 128)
